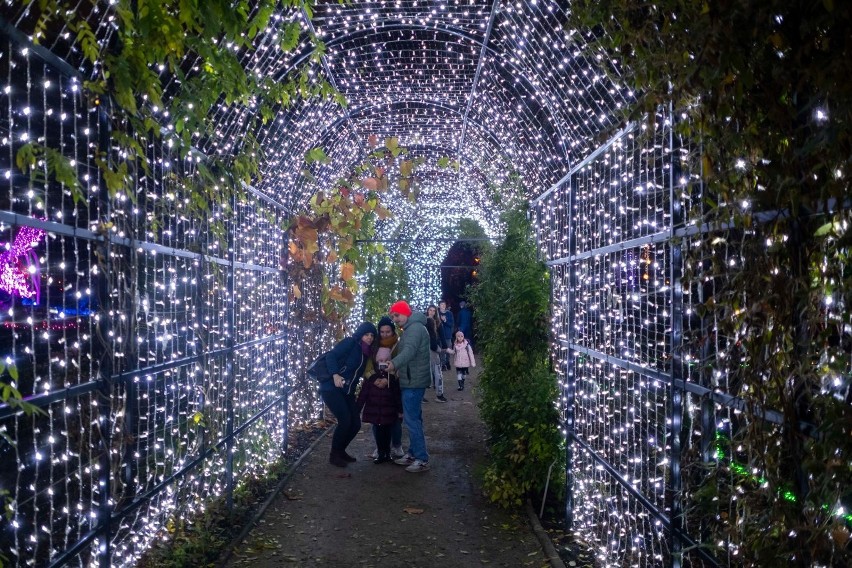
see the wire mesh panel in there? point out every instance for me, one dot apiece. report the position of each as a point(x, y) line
point(153, 342)
point(607, 235)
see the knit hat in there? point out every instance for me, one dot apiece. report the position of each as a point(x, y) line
point(401, 307)
point(386, 321)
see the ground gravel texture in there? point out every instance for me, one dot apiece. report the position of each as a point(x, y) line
point(368, 515)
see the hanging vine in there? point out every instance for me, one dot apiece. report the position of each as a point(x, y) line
point(344, 215)
point(160, 75)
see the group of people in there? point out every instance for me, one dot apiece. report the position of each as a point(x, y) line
point(398, 368)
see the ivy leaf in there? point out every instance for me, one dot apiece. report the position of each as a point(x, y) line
point(290, 37)
point(316, 155)
point(347, 271)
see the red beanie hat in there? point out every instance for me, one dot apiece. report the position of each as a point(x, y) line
point(401, 307)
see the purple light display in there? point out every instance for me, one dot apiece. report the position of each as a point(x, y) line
point(19, 271)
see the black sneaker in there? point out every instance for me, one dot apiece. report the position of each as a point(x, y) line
point(440, 398)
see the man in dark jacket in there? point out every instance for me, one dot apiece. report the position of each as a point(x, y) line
point(465, 322)
point(447, 329)
point(412, 365)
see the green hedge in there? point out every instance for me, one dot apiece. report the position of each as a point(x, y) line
point(517, 388)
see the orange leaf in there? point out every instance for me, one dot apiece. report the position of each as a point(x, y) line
point(372, 140)
point(336, 293)
point(359, 199)
point(332, 257)
point(347, 271)
point(370, 183)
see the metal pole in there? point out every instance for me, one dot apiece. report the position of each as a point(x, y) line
point(675, 276)
point(570, 368)
point(107, 386)
point(230, 312)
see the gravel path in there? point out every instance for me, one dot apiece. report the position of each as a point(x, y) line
point(368, 515)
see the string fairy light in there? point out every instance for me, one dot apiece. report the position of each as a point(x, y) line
point(195, 337)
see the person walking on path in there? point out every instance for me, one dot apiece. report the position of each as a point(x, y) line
point(447, 327)
point(464, 321)
point(436, 349)
point(463, 358)
point(411, 363)
point(345, 363)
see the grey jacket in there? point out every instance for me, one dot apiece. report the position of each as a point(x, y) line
point(412, 359)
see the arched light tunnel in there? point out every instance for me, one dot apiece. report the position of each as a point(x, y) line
point(153, 345)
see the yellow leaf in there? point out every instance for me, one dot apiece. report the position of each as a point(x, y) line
point(406, 167)
point(297, 292)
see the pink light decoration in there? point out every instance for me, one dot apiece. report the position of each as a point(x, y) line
point(19, 269)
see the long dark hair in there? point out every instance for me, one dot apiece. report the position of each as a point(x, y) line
point(433, 320)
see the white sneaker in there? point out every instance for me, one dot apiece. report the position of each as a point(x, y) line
point(397, 453)
point(405, 460)
point(375, 453)
point(418, 466)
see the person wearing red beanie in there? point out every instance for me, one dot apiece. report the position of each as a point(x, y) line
point(401, 307)
point(412, 364)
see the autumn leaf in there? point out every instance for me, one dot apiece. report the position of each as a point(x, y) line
point(380, 172)
point(297, 292)
point(413, 511)
point(337, 293)
point(347, 270)
point(359, 199)
point(332, 257)
point(406, 167)
point(372, 140)
point(370, 183)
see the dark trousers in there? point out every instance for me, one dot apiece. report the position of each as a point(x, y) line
point(345, 409)
point(382, 433)
point(445, 357)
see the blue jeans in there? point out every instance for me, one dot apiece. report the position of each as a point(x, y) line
point(412, 414)
point(437, 374)
point(345, 409)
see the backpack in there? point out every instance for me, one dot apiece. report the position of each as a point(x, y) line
point(318, 369)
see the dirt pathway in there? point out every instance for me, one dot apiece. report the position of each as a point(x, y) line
point(369, 515)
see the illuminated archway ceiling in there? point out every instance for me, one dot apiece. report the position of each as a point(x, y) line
point(499, 86)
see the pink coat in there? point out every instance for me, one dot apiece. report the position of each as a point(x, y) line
point(463, 355)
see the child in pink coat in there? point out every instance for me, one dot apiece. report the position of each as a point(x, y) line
point(463, 359)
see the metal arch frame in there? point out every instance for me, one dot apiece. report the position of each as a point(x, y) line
point(457, 32)
point(360, 111)
point(328, 74)
point(495, 7)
